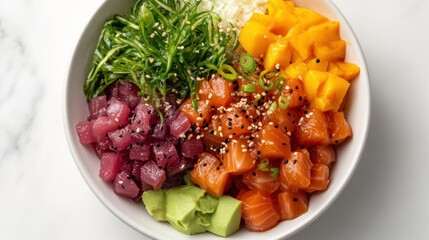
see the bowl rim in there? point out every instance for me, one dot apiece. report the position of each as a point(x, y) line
point(69, 131)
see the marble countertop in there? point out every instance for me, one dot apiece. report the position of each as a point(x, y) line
point(43, 196)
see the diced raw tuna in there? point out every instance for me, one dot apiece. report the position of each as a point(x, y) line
point(145, 186)
point(144, 117)
point(118, 111)
point(170, 99)
point(137, 170)
point(110, 165)
point(106, 144)
point(147, 109)
point(170, 115)
point(172, 139)
point(173, 181)
point(179, 167)
point(159, 131)
point(84, 131)
point(122, 88)
point(180, 125)
point(98, 150)
point(125, 91)
point(153, 175)
point(165, 154)
point(132, 101)
point(192, 147)
point(127, 166)
point(103, 125)
point(125, 186)
point(121, 138)
point(97, 107)
point(138, 137)
point(140, 152)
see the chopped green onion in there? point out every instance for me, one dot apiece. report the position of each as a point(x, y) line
point(280, 81)
point(263, 166)
point(267, 75)
point(283, 102)
point(249, 88)
point(227, 72)
point(272, 108)
point(247, 63)
point(274, 172)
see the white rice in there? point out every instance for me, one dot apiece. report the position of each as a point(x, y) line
point(237, 12)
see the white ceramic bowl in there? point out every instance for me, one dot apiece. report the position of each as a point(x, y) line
point(135, 215)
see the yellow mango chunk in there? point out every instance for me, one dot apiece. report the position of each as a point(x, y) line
point(282, 12)
point(317, 64)
point(290, 3)
point(348, 71)
point(255, 38)
point(331, 94)
point(322, 33)
point(331, 51)
point(269, 22)
point(294, 31)
point(312, 82)
point(294, 70)
point(309, 18)
point(278, 52)
point(276, 7)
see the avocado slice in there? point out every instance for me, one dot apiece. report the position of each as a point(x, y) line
point(181, 206)
point(155, 204)
point(189, 210)
point(207, 204)
point(226, 219)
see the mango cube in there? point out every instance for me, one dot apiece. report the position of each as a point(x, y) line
point(348, 71)
point(312, 82)
point(331, 51)
point(331, 94)
point(255, 38)
point(279, 53)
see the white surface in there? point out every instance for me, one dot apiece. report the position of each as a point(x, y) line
point(43, 196)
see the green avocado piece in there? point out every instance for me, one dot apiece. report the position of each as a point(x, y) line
point(226, 219)
point(155, 204)
point(207, 204)
point(181, 207)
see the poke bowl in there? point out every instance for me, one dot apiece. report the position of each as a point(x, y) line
point(355, 108)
